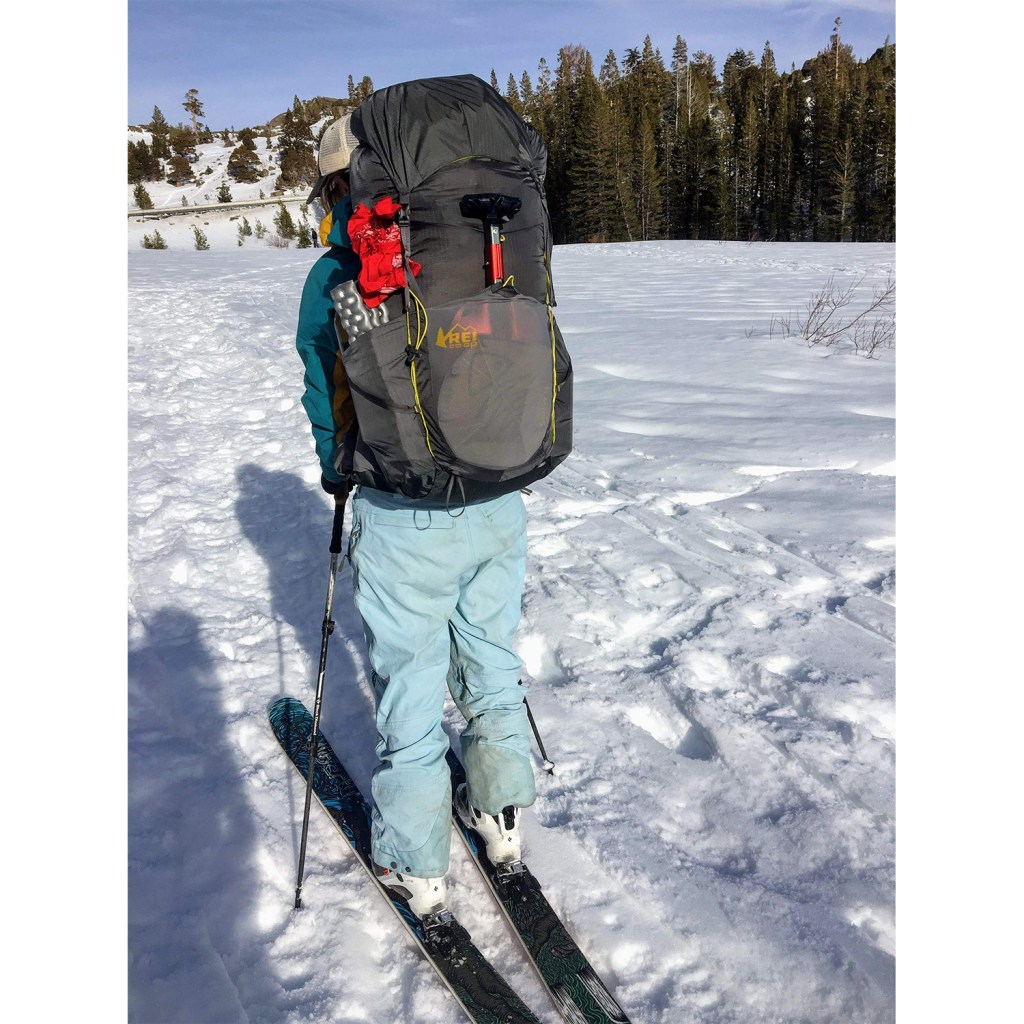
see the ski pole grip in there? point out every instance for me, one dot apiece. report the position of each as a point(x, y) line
point(339, 526)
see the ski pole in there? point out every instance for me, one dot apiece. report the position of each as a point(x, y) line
point(326, 630)
point(549, 765)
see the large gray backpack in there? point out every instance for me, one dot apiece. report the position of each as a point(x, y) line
point(461, 382)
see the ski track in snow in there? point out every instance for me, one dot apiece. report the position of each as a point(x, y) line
point(708, 637)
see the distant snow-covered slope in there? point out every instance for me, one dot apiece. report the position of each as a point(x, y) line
point(220, 226)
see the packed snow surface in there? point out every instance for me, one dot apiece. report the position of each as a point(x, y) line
point(707, 634)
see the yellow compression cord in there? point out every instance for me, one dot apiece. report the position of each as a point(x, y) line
point(554, 350)
point(421, 333)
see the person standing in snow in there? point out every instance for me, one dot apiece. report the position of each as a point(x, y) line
point(440, 597)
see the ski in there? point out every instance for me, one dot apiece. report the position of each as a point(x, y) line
point(480, 990)
point(578, 993)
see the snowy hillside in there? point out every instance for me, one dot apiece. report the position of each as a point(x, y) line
point(219, 226)
point(708, 635)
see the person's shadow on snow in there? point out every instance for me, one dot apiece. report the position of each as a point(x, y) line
point(191, 840)
point(289, 524)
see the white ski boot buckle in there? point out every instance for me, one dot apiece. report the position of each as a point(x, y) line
point(500, 832)
point(426, 896)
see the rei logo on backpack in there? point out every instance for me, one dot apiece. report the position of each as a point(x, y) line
point(460, 378)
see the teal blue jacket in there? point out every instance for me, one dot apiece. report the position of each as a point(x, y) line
point(326, 398)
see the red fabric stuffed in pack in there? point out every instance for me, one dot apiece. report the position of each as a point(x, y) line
point(377, 241)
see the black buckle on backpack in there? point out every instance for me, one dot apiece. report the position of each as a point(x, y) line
point(412, 353)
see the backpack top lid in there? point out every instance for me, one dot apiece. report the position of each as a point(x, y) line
point(416, 128)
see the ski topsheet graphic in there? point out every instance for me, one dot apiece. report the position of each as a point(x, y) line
point(480, 990)
point(577, 991)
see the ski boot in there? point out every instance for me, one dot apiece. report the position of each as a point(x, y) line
point(426, 896)
point(500, 832)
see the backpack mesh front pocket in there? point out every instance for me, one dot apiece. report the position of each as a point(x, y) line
point(491, 362)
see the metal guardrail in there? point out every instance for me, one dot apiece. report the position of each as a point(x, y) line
point(242, 204)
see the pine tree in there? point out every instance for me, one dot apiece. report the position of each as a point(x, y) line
point(577, 183)
point(142, 198)
point(194, 108)
point(201, 241)
point(738, 83)
point(592, 202)
point(557, 128)
point(224, 193)
point(679, 144)
point(179, 170)
point(704, 187)
point(183, 142)
point(542, 100)
point(284, 225)
point(154, 241)
point(646, 90)
point(877, 153)
point(622, 225)
point(244, 164)
point(142, 163)
point(647, 183)
point(512, 97)
point(770, 135)
point(750, 227)
point(360, 92)
point(843, 184)
point(526, 95)
point(295, 146)
point(830, 74)
point(681, 82)
point(160, 131)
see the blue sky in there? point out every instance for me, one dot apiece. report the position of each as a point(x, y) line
point(250, 58)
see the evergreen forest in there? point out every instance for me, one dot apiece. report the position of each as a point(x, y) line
point(641, 150)
point(638, 150)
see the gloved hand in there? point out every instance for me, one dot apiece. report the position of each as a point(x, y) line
point(338, 488)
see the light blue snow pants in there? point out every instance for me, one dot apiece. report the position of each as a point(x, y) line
point(440, 597)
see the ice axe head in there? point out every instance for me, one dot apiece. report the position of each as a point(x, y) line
point(494, 210)
point(490, 207)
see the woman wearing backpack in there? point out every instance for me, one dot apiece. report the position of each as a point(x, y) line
point(440, 598)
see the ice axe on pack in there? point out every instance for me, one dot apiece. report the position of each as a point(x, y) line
point(494, 210)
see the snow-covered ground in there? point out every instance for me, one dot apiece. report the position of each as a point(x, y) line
point(708, 634)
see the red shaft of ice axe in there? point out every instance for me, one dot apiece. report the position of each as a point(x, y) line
point(495, 256)
point(494, 210)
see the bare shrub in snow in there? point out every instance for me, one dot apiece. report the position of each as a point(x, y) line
point(832, 318)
